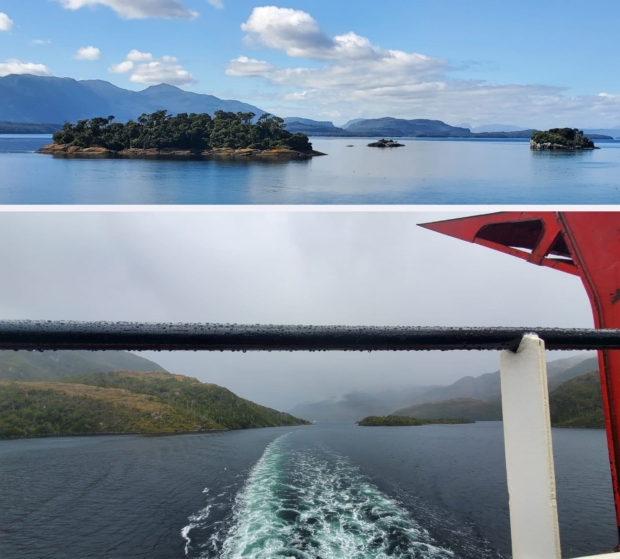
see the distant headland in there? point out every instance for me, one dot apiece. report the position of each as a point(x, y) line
point(400, 421)
point(161, 134)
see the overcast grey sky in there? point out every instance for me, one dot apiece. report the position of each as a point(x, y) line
point(277, 267)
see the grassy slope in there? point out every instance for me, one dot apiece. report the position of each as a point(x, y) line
point(127, 402)
point(578, 403)
point(56, 365)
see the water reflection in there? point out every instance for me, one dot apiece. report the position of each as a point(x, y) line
point(423, 172)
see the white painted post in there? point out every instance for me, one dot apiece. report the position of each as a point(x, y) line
point(529, 454)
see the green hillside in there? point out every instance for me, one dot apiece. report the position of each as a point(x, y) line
point(456, 408)
point(55, 365)
point(127, 402)
point(578, 403)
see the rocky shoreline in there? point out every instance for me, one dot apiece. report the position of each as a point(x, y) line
point(76, 151)
point(549, 146)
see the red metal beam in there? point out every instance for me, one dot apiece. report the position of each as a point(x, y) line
point(586, 244)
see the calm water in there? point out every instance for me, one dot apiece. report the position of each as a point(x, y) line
point(423, 172)
point(326, 491)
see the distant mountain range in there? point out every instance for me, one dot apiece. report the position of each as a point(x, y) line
point(389, 127)
point(576, 402)
point(41, 99)
point(50, 101)
point(478, 391)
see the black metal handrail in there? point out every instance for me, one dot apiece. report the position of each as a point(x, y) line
point(56, 335)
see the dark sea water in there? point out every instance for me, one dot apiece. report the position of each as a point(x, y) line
point(324, 491)
point(423, 172)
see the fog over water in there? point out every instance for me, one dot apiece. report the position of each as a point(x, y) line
point(277, 267)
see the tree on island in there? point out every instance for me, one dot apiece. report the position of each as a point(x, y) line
point(405, 421)
point(161, 130)
point(571, 138)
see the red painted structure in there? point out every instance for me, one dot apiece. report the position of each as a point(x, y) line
point(585, 244)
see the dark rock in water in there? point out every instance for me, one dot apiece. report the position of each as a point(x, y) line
point(385, 144)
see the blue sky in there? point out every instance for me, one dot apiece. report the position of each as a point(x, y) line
point(528, 63)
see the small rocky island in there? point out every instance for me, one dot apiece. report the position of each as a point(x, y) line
point(161, 134)
point(402, 421)
point(386, 144)
point(563, 139)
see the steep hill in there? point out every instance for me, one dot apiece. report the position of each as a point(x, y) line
point(398, 127)
point(313, 127)
point(487, 386)
point(38, 99)
point(573, 403)
point(465, 408)
point(127, 402)
point(55, 365)
point(578, 403)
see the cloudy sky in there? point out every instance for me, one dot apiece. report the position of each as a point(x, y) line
point(275, 267)
point(526, 63)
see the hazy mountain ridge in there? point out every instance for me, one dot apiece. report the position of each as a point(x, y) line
point(354, 406)
point(486, 388)
point(457, 408)
point(42, 99)
point(421, 128)
point(56, 365)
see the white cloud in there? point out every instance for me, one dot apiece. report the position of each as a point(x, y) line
point(164, 71)
point(147, 69)
point(295, 32)
point(88, 53)
point(13, 66)
point(40, 41)
point(6, 23)
point(217, 4)
point(122, 68)
point(351, 77)
point(137, 9)
point(137, 56)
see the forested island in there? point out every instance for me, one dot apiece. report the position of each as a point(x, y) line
point(401, 421)
point(163, 134)
point(127, 402)
point(561, 139)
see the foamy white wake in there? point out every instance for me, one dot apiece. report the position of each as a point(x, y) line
point(309, 504)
